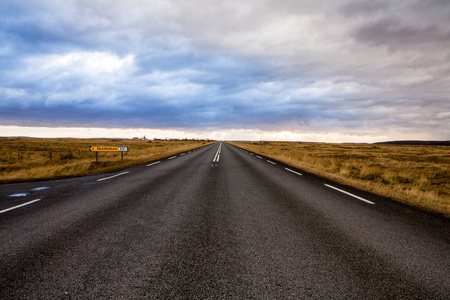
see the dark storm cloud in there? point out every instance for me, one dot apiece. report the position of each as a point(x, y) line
point(364, 8)
point(393, 34)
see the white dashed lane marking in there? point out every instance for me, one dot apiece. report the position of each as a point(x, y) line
point(347, 193)
point(106, 178)
point(18, 206)
point(292, 171)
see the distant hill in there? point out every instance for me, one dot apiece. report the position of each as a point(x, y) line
point(423, 143)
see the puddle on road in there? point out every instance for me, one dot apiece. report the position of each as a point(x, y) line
point(19, 195)
point(32, 190)
point(40, 188)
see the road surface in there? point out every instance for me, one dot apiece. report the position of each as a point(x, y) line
point(216, 223)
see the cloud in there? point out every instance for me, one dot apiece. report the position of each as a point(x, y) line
point(396, 36)
point(297, 66)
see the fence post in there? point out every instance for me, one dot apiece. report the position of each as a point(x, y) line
point(96, 156)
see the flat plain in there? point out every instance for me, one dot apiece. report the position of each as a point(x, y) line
point(28, 159)
point(415, 175)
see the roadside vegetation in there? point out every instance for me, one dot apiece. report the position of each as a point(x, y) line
point(28, 159)
point(416, 175)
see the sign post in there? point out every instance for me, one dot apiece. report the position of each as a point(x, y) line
point(98, 149)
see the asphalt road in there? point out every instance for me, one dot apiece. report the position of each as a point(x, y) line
point(212, 224)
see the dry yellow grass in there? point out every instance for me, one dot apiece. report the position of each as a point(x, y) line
point(25, 159)
point(416, 175)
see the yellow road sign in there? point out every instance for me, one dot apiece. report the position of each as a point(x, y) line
point(109, 148)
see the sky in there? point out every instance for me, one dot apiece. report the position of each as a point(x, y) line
point(324, 71)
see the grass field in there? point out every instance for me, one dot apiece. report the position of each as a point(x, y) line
point(416, 175)
point(26, 159)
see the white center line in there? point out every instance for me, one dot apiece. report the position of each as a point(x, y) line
point(14, 207)
point(271, 162)
point(293, 171)
point(153, 163)
point(259, 157)
point(172, 157)
point(251, 154)
point(182, 154)
point(217, 156)
point(106, 178)
point(354, 196)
